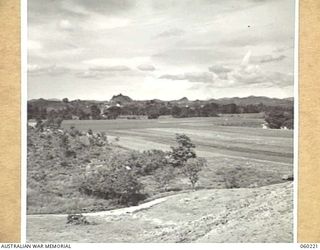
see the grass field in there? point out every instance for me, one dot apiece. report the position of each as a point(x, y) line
point(234, 145)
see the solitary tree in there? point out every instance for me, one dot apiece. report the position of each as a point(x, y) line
point(192, 168)
point(184, 151)
point(65, 100)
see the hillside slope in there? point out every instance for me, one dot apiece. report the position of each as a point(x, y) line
point(262, 214)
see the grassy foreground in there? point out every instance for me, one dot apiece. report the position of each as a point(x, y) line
point(224, 215)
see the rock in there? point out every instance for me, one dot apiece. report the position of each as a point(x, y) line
point(77, 219)
point(84, 140)
point(287, 177)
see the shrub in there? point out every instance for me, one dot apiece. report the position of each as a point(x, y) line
point(231, 182)
point(70, 153)
point(73, 132)
point(277, 119)
point(54, 120)
point(112, 183)
point(163, 176)
point(145, 163)
point(65, 142)
point(184, 151)
point(153, 160)
point(77, 219)
point(153, 115)
point(192, 169)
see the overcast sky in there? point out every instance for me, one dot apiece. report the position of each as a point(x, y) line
point(168, 49)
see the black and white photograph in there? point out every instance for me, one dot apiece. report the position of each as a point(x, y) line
point(160, 121)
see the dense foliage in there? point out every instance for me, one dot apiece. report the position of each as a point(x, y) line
point(277, 119)
point(183, 151)
point(113, 183)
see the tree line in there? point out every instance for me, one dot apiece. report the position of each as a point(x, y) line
point(151, 109)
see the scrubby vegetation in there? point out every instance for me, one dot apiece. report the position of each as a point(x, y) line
point(77, 219)
point(115, 183)
point(74, 171)
point(277, 119)
point(192, 168)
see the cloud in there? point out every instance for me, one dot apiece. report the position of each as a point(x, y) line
point(102, 22)
point(146, 67)
point(250, 74)
point(111, 61)
point(88, 74)
point(268, 58)
point(52, 70)
point(254, 74)
point(65, 24)
point(283, 49)
point(110, 6)
point(78, 9)
point(115, 68)
point(281, 79)
point(34, 45)
point(218, 68)
point(171, 32)
point(205, 77)
point(94, 40)
point(100, 72)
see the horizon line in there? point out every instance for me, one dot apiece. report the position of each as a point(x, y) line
point(60, 99)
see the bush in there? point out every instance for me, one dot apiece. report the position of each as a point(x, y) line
point(231, 182)
point(277, 119)
point(111, 183)
point(192, 169)
point(73, 132)
point(77, 219)
point(145, 163)
point(154, 115)
point(163, 176)
point(153, 160)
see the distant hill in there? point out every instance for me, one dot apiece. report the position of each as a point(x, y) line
point(121, 99)
point(184, 99)
point(50, 103)
point(255, 100)
point(289, 99)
